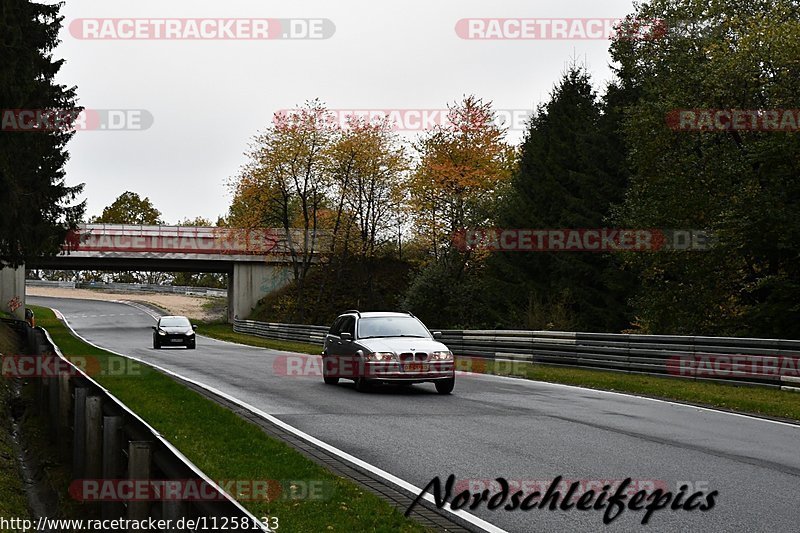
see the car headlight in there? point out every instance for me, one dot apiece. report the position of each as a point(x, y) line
point(442, 356)
point(162, 332)
point(380, 356)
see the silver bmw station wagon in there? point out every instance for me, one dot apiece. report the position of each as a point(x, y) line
point(384, 347)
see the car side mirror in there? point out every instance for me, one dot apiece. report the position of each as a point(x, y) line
point(194, 327)
point(437, 334)
point(347, 337)
point(154, 328)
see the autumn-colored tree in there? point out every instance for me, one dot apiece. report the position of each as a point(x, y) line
point(463, 166)
point(284, 183)
point(367, 169)
point(367, 165)
point(312, 178)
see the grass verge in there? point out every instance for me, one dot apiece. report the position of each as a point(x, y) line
point(226, 447)
point(755, 400)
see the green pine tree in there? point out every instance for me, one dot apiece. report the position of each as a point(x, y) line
point(37, 205)
point(570, 173)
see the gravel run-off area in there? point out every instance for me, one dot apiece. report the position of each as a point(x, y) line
point(196, 307)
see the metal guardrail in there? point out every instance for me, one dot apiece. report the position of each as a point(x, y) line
point(21, 328)
point(105, 440)
point(287, 332)
point(134, 287)
point(46, 283)
point(731, 358)
point(17, 325)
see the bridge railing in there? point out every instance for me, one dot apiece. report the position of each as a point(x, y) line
point(771, 363)
point(131, 287)
point(126, 238)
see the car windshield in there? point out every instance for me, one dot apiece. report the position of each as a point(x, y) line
point(174, 322)
point(391, 326)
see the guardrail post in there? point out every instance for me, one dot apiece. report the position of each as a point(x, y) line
point(173, 510)
point(41, 394)
point(112, 462)
point(140, 454)
point(79, 433)
point(112, 447)
point(94, 437)
point(64, 404)
point(52, 404)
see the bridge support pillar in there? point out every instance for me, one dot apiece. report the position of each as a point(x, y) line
point(251, 282)
point(12, 291)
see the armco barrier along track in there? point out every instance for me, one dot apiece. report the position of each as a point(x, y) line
point(744, 361)
point(107, 442)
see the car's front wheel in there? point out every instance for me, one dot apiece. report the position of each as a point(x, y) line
point(191, 346)
point(156, 344)
point(326, 371)
point(445, 386)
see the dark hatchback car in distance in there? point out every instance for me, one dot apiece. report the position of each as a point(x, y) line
point(174, 331)
point(385, 347)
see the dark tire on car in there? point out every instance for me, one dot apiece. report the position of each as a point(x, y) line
point(445, 386)
point(361, 385)
point(329, 380)
point(191, 346)
point(156, 345)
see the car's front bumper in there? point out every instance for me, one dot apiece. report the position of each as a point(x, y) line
point(388, 370)
point(176, 340)
point(409, 372)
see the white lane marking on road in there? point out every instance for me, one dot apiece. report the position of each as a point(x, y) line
point(159, 436)
point(628, 395)
point(73, 315)
point(472, 519)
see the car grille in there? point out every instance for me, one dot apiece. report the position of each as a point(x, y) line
point(409, 357)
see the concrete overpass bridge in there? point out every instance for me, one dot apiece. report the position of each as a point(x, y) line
point(257, 262)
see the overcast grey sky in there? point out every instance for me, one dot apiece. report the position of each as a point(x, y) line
point(209, 97)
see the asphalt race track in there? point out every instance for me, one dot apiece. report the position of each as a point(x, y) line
point(499, 427)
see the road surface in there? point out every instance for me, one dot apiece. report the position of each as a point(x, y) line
point(499, 427)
